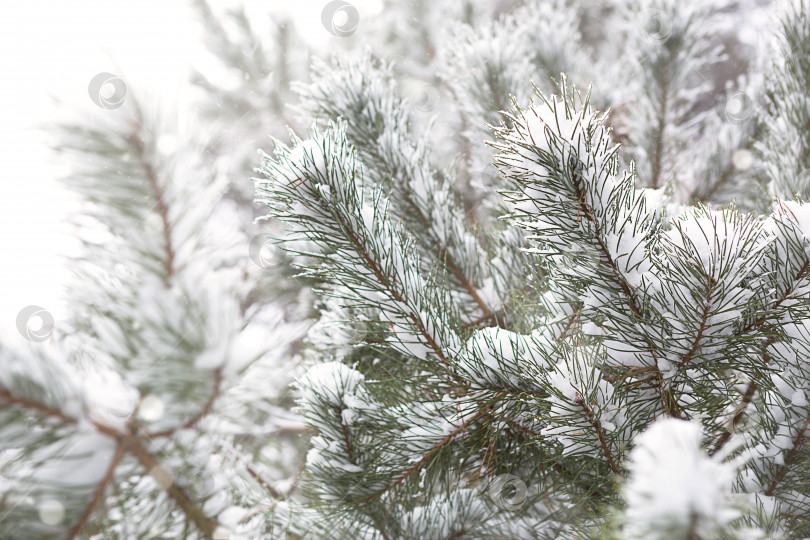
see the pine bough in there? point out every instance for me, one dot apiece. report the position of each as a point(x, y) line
point(660, 389)
point(566, 351)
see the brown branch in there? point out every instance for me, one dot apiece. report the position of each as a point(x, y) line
point(206, 409)
point(703, 320)
point(659, 134)
point(282, 431)
point(667, 399)
point(302, 430)
point(137, 144)
point(127, 442)
point(413, 468)
point(784, 296)
point(484, 459)
point(99, 494)
point(693, 522)
point(448, 260)
point(276, 494)
point(627, 373)
point(457, 534)
point(297, 478)
point(200, 520)
point(706, 194)
point(500, 314)
point(464, 280)
point(738, 416)
point(559, 467)
point(794, 451)
point(378, 273)
point(597, 426)
point(613, 122)
point(524, 430)
point(346, 440)
point(574, 316)
point(794, 517)
point(45, 410)
point(42, 409)
point(753, 386)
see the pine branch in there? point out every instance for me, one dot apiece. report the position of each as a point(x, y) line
point(785, 149)
point(545, 350)
point(548, 161)
point(149, 463)
point(441, 444)
point(753, 385)
point(665, 393)
point(108, 477)
point(665, 114)
point(791, 455)
point(600, 436)
point(203, 412)
point(386, 283)
point(387, 261)
point(379, 128)
point(39, 408)
point(137, 144)
point(769, 314)
point(701, 329)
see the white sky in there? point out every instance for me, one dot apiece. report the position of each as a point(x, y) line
point(53, 48)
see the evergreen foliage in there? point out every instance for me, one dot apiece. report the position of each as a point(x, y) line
point(526, 318)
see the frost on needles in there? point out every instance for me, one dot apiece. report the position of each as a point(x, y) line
point(540, 348)
point(661, 395)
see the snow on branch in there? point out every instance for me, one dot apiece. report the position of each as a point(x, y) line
point(379, 127)
point(318, 187)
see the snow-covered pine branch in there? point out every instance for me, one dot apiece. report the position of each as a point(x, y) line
point(319, 188)
point(596, 363)
point(654, 317)
point(785, 151)
point(164, 330)
point(484, 67)
point(670, 52)
point(379, 126)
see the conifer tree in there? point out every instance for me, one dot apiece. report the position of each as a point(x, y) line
point(572, 305)
point(655, 389)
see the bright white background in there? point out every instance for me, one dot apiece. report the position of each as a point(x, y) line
point(52, 49)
